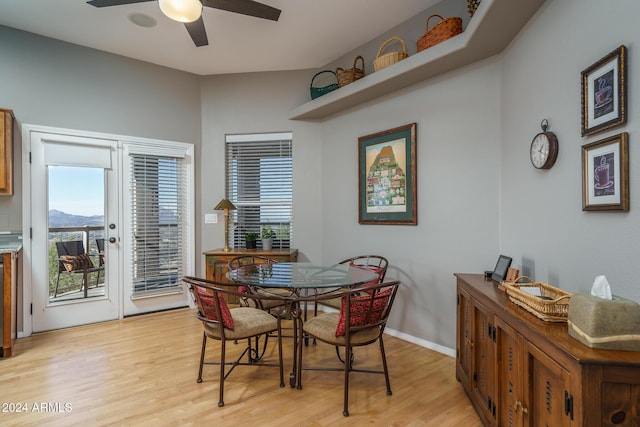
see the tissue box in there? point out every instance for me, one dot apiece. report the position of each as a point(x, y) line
point(600, 323)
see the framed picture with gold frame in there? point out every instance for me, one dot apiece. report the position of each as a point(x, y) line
point(605, 174)
point(604, 93)
point(387, 185)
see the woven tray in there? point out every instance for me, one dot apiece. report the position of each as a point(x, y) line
point(443, 30)
point(350, 74)
point(553, 307)
point(389, 58)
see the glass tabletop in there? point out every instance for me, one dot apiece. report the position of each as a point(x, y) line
point(301, 275)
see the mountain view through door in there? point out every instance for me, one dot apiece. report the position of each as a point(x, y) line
point(76, 233)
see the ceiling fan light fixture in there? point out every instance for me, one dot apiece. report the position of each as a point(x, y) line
point(181, 10)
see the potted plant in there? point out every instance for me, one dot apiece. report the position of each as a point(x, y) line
point(250, 239)
point(267, 235)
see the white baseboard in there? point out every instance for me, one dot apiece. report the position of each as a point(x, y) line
point(422, 343)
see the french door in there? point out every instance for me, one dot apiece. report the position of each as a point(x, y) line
point(74, 201)
point(126, 205)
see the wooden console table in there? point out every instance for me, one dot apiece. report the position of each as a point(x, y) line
point(217, 260)
point(521, 371)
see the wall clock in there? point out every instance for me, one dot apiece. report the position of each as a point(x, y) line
point(544, 148)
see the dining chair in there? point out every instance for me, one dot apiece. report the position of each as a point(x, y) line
point(73, 259)
point(232, 324)
point(100, 246)
point(375, 263)
point(361, 321)
point(264, 304)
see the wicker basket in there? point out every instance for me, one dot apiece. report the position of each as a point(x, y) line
point(389, 58)
point(553, 307)
point(319, 91)
point(472, 6)
point(443, 30)
point(350, 75)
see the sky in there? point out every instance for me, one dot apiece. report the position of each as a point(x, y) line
point(76, 190)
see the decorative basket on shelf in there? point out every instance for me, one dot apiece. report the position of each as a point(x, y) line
point(552, 305)
point(389, 58)
point(319, 91)
point(350, 75)
point(472, 6)
point(443, 30)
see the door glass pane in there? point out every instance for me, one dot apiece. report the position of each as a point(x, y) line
point(76, 201)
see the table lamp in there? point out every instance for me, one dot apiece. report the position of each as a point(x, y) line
point(226, 206)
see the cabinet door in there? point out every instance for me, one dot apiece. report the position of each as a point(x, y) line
point(217, 271)
point(6, 152)
point(483, 361)
point(615, 397)
point(509, 379)
point(548, 400)
point(464, 340)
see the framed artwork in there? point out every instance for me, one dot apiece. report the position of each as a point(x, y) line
point(605, 174)
point(604, 93)
point(387, 185)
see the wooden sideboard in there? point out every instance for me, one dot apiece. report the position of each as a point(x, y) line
point(6, 152)
point(217, 260)
point(521, 371)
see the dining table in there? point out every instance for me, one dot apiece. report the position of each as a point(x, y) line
point(297, 282)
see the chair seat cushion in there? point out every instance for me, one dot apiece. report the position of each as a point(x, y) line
point(247, 322)
point(324, 326)
point(276, 293)
point(333, 303)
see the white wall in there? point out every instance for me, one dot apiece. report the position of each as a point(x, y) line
point(52, 83)
point(253, 103)
point(458, 167)
point(543, 225)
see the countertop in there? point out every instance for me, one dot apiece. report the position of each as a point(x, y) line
point(10, 243)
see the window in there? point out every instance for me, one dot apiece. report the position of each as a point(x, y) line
point(157, 204)
point(259, 182)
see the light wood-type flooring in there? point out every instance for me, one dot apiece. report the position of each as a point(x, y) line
point(141, 371)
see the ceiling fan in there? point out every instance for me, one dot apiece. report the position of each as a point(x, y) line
point(190, 12)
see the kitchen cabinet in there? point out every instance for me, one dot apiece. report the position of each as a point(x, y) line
point(521, 371)
point(6, 152)
point(11, 276)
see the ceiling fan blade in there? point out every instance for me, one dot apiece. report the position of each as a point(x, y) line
point(245, 7)
point(197, 32)
point(104, 3)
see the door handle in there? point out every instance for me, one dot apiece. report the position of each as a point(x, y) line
point(112, 239)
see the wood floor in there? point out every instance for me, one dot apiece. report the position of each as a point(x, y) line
point(142, 371)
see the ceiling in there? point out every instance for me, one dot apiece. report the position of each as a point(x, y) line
point(309, 33)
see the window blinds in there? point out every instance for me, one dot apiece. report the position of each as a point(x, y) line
point(259, 182)
point(157, 201)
